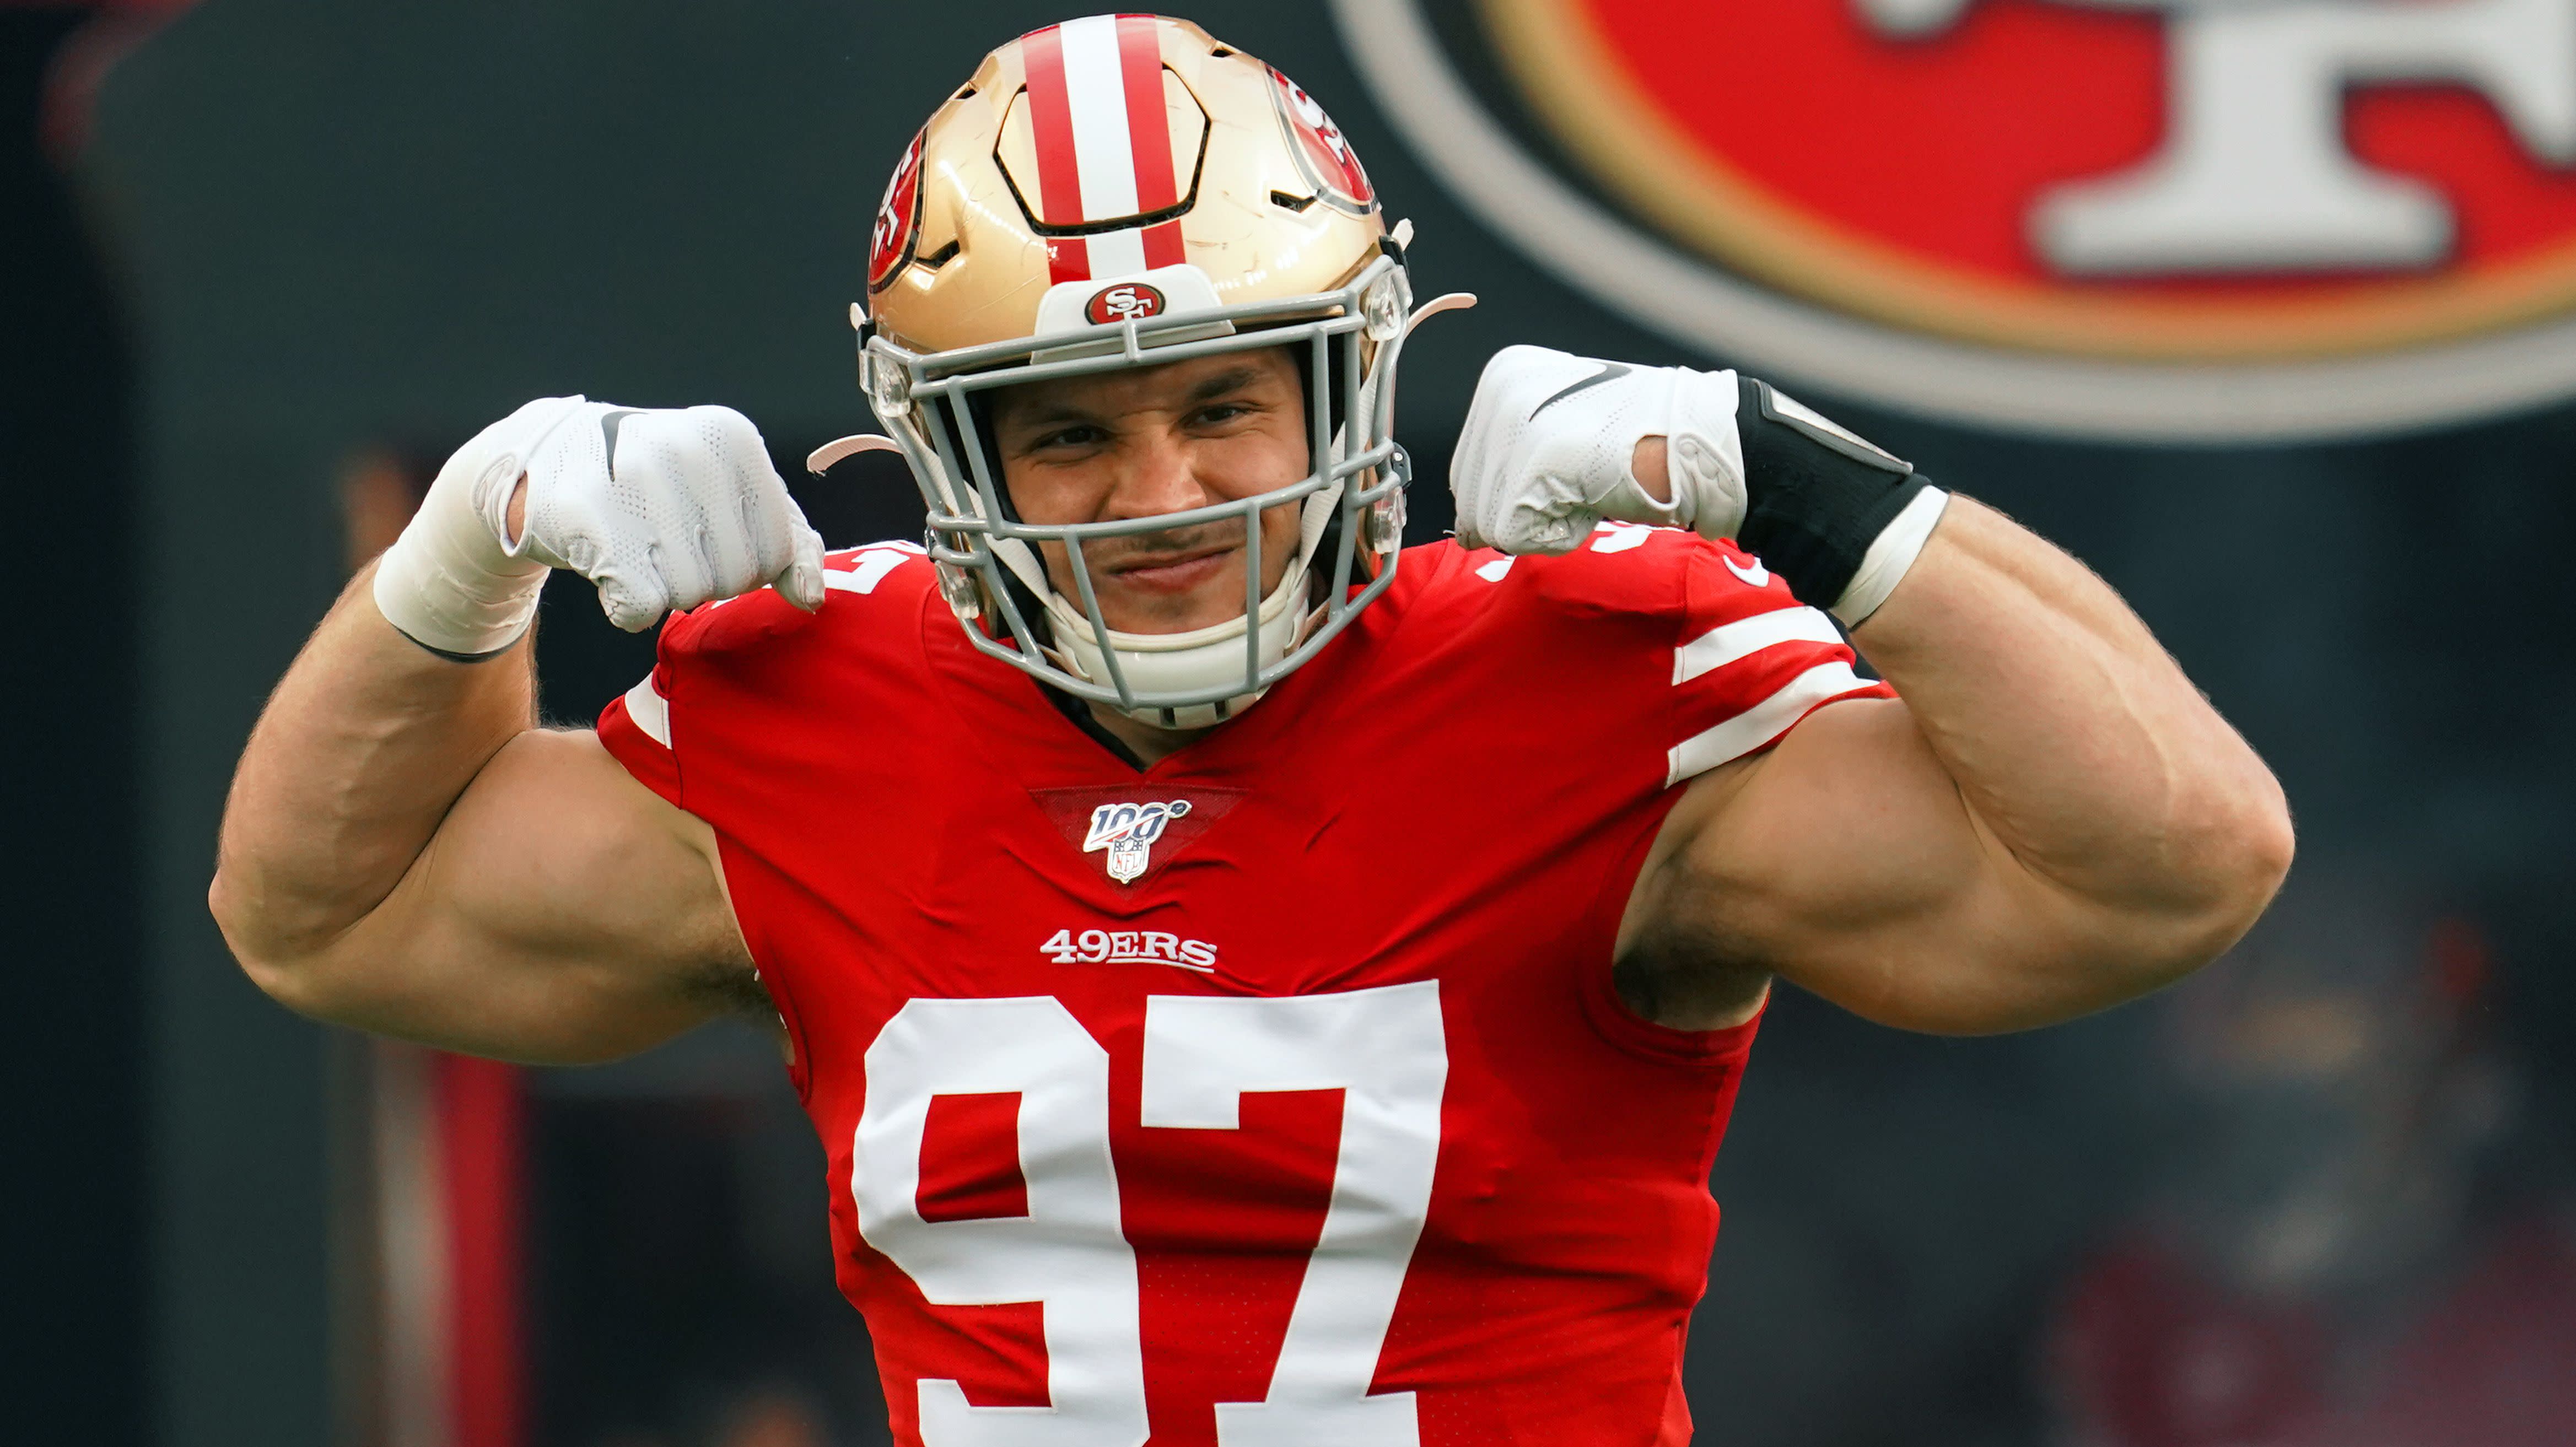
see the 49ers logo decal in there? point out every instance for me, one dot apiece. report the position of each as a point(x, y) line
point(898, 219)
point(2104, 206)
point(1323, 155)
point(1131, 301)
point(2159, 180)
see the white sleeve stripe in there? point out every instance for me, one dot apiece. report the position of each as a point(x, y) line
point(873, 565)
point(1728, 642)
point(651, 714)
point(1761, 723)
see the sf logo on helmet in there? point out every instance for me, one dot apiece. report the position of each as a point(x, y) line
point(1323, 154)
point(1128, 832)
point(898, 219)
point(1316, 121)
point(1128, 302)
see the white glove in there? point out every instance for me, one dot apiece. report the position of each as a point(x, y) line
point(686, 510)
point(1545, 453)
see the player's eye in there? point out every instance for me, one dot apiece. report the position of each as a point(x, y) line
point(1079, 435)
point(1218, 413)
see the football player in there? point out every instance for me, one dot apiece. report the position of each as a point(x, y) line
point(1254, 984)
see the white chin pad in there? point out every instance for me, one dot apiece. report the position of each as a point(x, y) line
point(1195, 661)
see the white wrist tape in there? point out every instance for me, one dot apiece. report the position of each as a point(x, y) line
point(451, 582)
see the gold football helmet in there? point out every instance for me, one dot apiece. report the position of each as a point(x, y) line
point(1125, 191)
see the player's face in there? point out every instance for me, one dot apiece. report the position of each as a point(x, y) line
point(1118, 445)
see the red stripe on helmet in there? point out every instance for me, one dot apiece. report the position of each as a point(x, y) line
point(1051, 127)
point(1149, 124)
point(1163, 245)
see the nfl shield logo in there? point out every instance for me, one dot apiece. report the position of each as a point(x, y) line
point(1128, 832)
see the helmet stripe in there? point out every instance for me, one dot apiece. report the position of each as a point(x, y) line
point(1103, 137)
point(1149, 130)
point(1149, 125)
point(1051, 126)
point(1068, 259)
point(1117, 253)
point(1096, 97)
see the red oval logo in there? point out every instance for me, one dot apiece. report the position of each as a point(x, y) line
point(1323, 153)
point(898, 219)
point(2153, 181)
point(1129, 301)
point(2167, 217)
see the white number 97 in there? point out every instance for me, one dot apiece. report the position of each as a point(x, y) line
point(1384, 1048)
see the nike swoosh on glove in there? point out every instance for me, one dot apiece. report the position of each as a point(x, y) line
point(687, 509)
point(661, 508)
point(1546, 450)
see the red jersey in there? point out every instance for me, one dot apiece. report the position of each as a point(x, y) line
point(1276, 1095)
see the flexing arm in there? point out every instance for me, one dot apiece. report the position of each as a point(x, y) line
point(405, 851)
point(2049, 821)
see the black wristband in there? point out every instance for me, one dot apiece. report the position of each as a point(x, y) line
point(1815, 497)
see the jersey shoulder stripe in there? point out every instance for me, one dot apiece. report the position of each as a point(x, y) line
point(1737, 659)
point(635, 728)
point(1753, 661)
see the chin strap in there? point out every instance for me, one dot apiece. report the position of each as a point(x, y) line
point(1456, 301)
point(1174, 662)
point(1377, 403)
point(824, 458)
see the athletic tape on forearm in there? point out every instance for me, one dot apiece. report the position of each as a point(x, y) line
point(1819, 502)
point(447, 583)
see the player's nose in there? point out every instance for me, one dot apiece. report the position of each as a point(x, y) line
point(1156, 477)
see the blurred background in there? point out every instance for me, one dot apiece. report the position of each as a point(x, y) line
point(2295, 386)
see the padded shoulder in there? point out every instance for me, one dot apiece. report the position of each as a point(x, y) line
point(884, 579)
point(1622, 569)
point(1718, 647)
point(759, 646)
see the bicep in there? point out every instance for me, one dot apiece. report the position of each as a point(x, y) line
point(563, 912)
point(1845, 860)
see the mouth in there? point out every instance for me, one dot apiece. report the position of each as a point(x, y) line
point(1172, 573)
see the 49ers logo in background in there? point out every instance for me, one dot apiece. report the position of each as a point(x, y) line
point(1129, 301)
point(2128, 217)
